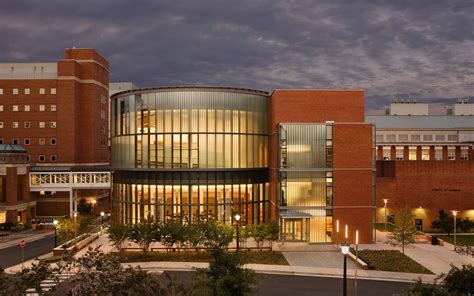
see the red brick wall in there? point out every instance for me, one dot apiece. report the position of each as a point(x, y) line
point(431, 185)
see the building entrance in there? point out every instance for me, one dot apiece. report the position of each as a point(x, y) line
point(294, 230)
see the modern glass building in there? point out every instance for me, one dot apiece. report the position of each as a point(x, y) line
point(190, 154)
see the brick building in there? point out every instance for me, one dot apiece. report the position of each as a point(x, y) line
point(302, 157)
point(59, 113)
point(425, 162)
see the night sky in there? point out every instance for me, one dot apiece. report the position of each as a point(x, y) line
point(417, 49)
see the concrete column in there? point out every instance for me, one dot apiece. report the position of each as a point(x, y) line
point(71, 209)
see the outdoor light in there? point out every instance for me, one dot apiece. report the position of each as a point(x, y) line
point(345, 234)
point(337, 234)
point(102, 214)
point(357, 261)
point(237, 218)
point(345, 249)
point(55, 222)
point(455, 213)
point(385, 200)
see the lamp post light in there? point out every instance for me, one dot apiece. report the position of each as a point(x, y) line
point(455, 213)
point(337, 235)
point(237, 218)
point(357, 261)
point(385, 207)
point(102, 214)
point(75, 229)
point(55, 223)
point(345, 251)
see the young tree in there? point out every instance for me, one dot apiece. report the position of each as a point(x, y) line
point(245, 232)
point(84, 208)
point(405, 230)
point(272, 232)
point(225, 276)
point(444, 223)
point(144, 234)
point(170, 234)
point(119, 234)
point(67, 227)
point(260, 234)
point(195, 235)
point(465, 225)
point(217, 235)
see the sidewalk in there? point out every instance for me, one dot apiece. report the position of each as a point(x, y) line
point(27, 235)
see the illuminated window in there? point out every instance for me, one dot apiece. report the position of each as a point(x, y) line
point(53, 124)
point(42, 141)
point(3, 217)
point(451, 153)
point(412, 153)
point(53, 108)
point(27, 91)
point(15, 124)
point(1, 91)
point(27, 108)
point(42, 91)
point(15, 91)
point(41, 107)
point(15, 108)
point(425, 153)
point(53, 91)
point(42, 124)
point(1, 108)
point(26, 124)
point(1, 124)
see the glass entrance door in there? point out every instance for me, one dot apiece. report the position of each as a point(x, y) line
point(294, 229)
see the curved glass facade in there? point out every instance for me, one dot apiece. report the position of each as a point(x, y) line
point(190, 154)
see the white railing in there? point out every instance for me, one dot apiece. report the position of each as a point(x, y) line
point(70, 180)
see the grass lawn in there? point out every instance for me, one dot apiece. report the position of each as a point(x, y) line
point(264, 257)
point(381, 227)
point(390, 260)
point(460, 239)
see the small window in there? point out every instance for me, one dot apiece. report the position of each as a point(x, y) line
point(41, 107)
point(412, 153)
point(425, 153)
point(1, 91)
point(53, 108)
point(451, 153)
point(53, 158)
point(1, 108)
point(1, 141)
point(53, 91)
point(102, 114)
point(102, 99)
point(15, 124)
point(27, 91)
point(390, 138)
point(427, 137)
point(403, 138)
point(386, 153)
point(1, 124)
point(26, 124)
point(15, 141)
point(28, 157)
point(415, 138)
point(464, 153)
point(53, 124)
point(53, 141)
point(439, 137)
point(42, 91)
point(452, 137)
point(15, 108)
point(42, 124)
point(26, 141)
point(379, 138)
point(399, 152)
point(15, 91)
point(27, 108)
point(42, 141)
point(41, 158)
point(438, 153)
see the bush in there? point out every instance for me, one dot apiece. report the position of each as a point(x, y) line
point(217, 235)
point(118, 234)
point(18, 227)
point(7, 226)
point(144, 234)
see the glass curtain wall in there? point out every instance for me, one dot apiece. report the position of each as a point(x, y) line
point(190, 155)
point(306, 181)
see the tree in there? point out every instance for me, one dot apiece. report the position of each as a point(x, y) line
point(84, 208)
point(217, 235)
point(444, 223)
point(67, 227)
point(459, 281)
point(260, 234)
point(405, 230)
point(170, 234)
point(465, 225)
point(195, 235)
point(272, 232)
point(245, 232)
point(119, 234)
point(421, 289)
point(144, 234)
point(225, 276)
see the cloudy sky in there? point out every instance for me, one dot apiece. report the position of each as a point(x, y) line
point(420, 49)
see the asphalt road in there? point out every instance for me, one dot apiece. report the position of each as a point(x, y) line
point(275, 285)
point(12, 255)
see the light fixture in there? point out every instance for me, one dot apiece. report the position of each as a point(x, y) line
point(237, 217)
point(102, 213)
point(455, 213)
point(55, 222)
point(345, 249)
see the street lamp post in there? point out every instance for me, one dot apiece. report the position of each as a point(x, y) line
point(357, 261)
point(345, 251)
point(237, 219)
point(55, 223)
point(93, 206)
point(385, 207)
point(337, 234)
point(102, 214)
point(75, 229)
point(455, 213)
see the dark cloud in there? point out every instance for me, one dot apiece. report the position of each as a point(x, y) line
point(420, 49)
